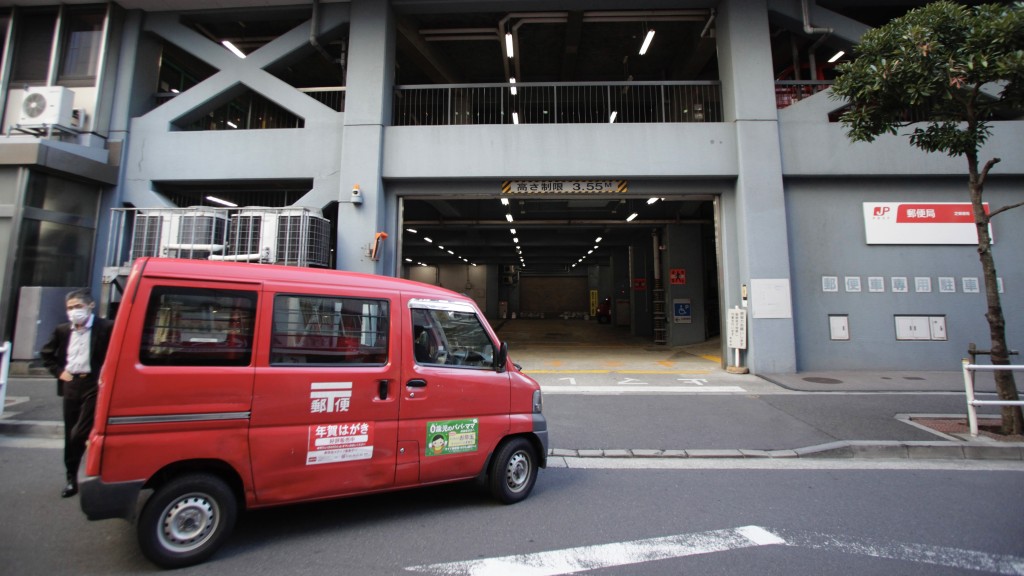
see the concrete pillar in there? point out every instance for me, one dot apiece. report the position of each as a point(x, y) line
point(367, 110)
point(762, 249)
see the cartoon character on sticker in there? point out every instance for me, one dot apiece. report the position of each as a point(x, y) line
point(437, 443)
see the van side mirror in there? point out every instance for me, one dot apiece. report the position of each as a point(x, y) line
point(501, 360)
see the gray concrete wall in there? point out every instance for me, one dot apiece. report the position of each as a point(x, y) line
point(683, 251)
point(827, 239)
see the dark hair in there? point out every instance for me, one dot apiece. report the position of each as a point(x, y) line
point(81, 293)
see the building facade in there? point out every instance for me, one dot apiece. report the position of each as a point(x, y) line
point(532, 158)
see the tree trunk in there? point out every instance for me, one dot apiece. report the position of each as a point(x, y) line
point(1006, 387)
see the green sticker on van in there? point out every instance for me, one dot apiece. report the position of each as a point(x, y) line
point(452, 436)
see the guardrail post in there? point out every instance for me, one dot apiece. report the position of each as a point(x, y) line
point(5, 368)
point(972, 410)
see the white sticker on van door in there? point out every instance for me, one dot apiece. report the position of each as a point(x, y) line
point(340, 442)
point(329, 397)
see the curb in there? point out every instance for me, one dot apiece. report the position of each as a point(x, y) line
point(861, 449)
point(32, 428)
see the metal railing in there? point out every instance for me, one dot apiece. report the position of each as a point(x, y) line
point(789, 92)
point(561, 103)
point(972, 402)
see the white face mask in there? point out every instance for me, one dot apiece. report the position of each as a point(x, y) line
point(78, 316)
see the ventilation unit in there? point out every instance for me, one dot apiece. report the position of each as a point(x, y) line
point(47, 105)
point(288, 236)
point(194, 233)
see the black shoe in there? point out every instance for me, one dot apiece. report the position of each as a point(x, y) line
point(69, 490)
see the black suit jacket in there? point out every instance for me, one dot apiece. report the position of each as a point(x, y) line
point(55, 352)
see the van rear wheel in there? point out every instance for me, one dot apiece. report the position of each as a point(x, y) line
point(513, 471)
point(186, 520)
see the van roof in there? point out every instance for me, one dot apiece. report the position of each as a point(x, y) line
point(248, 272)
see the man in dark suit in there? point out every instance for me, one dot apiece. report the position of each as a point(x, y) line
point(74, 355)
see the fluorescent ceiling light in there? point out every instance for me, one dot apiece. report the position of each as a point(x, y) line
point(452, 253)
point(590, 252)
point(234, 49)
point(512, 81)
point(504, 201)
point(611, 119)
point(508, 217)
point(598, 239)
point(647, 42)
point(515, 120)
point(837, 56)
point(508, 44)
point(652, 200)
point(632, 217)
point(428, 240)
point(232, 124)
point(513, 231)
point(439, 247)
point(221, 202)
point(516, 240)
point(411, 230)
point(408, 259)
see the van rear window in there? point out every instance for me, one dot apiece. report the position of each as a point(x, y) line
point(329, 331)
point(198, 327)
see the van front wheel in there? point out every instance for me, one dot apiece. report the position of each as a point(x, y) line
point(186, 520)
point(513, 471)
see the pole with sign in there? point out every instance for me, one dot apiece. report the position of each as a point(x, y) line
point(736, 337)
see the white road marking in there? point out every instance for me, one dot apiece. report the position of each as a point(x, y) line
point(586, 558)
point(30, 442)
point(619, 390)
point(919, 553)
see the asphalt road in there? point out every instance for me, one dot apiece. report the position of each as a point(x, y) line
point(898, 518)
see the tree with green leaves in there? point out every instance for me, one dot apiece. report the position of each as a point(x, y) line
point(947, 70)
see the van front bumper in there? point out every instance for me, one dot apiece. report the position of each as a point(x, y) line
point(540, 430)
point(101, 500)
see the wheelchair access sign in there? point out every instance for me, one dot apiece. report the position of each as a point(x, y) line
point(682, 313)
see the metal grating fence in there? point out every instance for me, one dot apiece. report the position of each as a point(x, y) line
point(568, 103)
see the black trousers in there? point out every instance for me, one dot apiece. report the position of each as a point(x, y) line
point(79, 411)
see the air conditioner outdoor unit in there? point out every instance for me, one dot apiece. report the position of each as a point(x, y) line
point(47, 105)
point(195, 234)
point(287, 236)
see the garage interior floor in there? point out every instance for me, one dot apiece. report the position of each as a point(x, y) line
point(580, 345)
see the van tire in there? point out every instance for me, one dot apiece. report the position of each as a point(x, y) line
point(513, 471)
point(186, 520)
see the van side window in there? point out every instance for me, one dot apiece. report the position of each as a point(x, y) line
point(329, 331)
point(198, 327)
point(450, 338)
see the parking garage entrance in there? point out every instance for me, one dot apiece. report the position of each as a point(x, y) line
point(648, 265)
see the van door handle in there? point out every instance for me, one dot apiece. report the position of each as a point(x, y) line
point(417, 383)
point(383, 388)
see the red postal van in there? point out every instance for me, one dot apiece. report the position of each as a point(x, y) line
point(231, 386)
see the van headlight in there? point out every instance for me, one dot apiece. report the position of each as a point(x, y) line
point(538, 402)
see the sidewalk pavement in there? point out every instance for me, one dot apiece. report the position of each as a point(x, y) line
point(33, 409)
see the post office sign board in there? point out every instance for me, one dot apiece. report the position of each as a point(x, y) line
point(920, 223)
